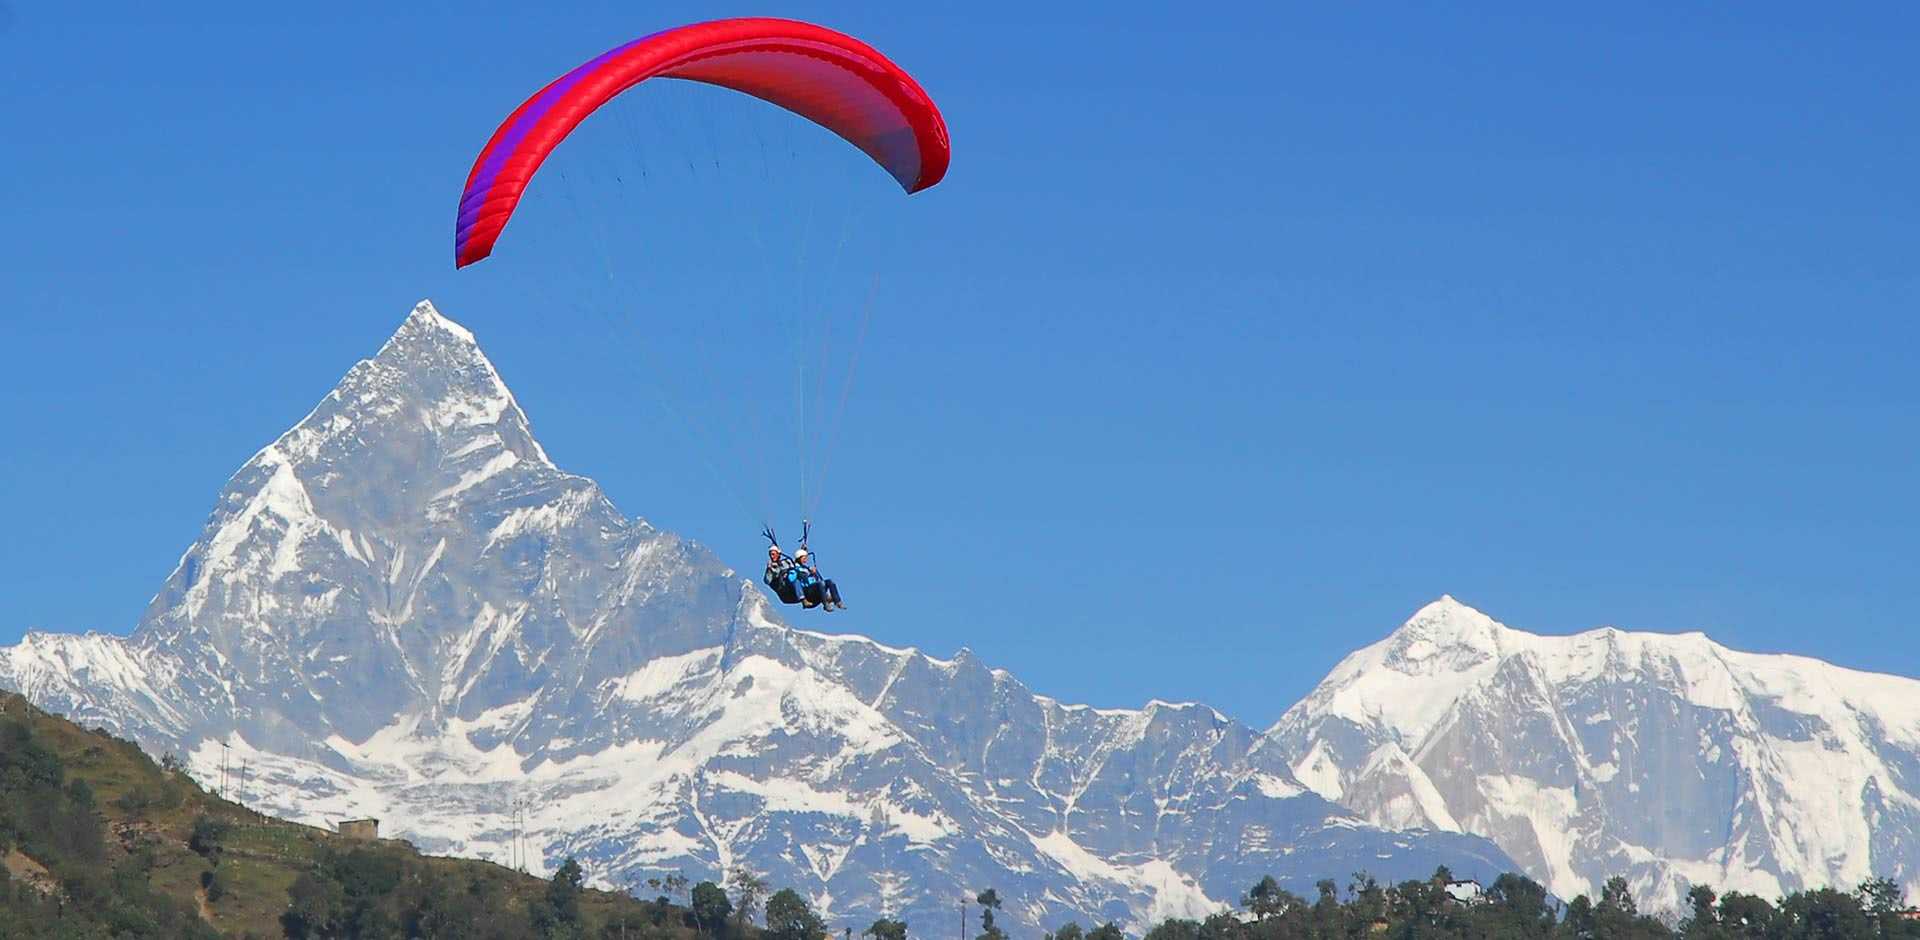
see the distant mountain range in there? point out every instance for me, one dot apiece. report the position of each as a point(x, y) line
point(403, 609)
point(1668, 759)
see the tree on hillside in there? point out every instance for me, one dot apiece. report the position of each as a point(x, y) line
point(1518, 905)
point(1327, 917)
point(1579, 920)
point(1880, 896)
point(1615, 917)
point(314, 905)
point(790, 917)
point(1420, 908)
point(710, 908)
point(1366, 901)
point(1746, 915)
point(1825, 914)
point(1886, 904)
point(1266, 899)
point(558, 913)
point(886, 929)
point(1067, 931)
point(1223, 925)
point(989, 901)
point(1616, 897)
point(208, 832)
point(1703, 920)
point(749, 890)
point(1174, 928)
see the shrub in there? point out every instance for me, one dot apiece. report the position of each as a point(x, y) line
point(207, 835)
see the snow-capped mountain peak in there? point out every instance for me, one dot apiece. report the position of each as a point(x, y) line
point(1403, 683)
point(1444, 636)
point(1664, 757)
point(432, 371)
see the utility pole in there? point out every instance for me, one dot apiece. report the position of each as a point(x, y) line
point(520, 807)
point(225, 752)
point(515, 857)
point(963, 917)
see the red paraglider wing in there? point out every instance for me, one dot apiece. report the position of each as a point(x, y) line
point(827, 77)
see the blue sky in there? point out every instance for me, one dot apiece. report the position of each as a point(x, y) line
point(1229, 341)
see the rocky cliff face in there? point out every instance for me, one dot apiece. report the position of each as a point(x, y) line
point(401, 608)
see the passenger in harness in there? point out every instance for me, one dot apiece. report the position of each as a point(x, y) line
point(815, 589)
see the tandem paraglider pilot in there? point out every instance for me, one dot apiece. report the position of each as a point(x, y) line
point(779, 576)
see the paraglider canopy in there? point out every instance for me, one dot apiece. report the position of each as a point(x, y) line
point(825, 76)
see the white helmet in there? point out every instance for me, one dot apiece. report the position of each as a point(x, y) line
point(801, 553)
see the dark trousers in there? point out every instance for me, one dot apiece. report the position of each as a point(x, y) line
point(823, 591)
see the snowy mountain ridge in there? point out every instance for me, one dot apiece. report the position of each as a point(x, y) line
point(402, 608)
point(1664, 757)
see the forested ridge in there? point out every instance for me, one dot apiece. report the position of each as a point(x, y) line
point(1516, 907)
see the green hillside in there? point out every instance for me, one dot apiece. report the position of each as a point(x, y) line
point(99, 841)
